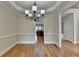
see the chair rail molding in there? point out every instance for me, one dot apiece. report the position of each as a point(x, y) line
point(8, 35)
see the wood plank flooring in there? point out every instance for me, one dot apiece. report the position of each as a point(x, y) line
point(40, 39)
point(21, 50)
point(69, 49)
point(44, 50)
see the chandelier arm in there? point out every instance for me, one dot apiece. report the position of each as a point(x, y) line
point(34, 12)
point(35, 3)
point(26, 17)
point(34, 16)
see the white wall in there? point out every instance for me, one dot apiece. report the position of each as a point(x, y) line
point(69, 28)
point(77, 17)
point(26, 30)
point(7, 28)
point(51, 25)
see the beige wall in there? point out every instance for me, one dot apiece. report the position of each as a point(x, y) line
point(51, 25)
point(69, 28)
point(7, 28)
point(26, 30)
point(25, 26)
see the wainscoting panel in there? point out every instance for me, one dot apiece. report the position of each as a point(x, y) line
point(26, 38)
point(7, 42)
point(51, 38)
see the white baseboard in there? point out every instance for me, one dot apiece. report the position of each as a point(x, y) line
point(50, 42)
point(7, 49)
point(27, 42)
point(69, 40)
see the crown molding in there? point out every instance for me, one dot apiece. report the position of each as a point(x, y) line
point(68, 5)
point(54, 7)
point(71, 11)
point(8, 8)
point(16, 6)
point(21, 9)
point(71, 3)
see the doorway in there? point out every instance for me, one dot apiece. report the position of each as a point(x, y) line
point(40, 30)
point(40, 33)
point(67, 32)
point(40, 36)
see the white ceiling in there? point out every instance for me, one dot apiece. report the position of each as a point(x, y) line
point(76, 5)
point(40, 4)
point(18, 7)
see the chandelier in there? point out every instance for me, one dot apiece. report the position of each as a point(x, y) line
point(34, 15)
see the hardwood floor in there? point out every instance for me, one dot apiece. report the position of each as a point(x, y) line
point(37, 50)
point(44, 50)
point(69, 49)
point(40, 39)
